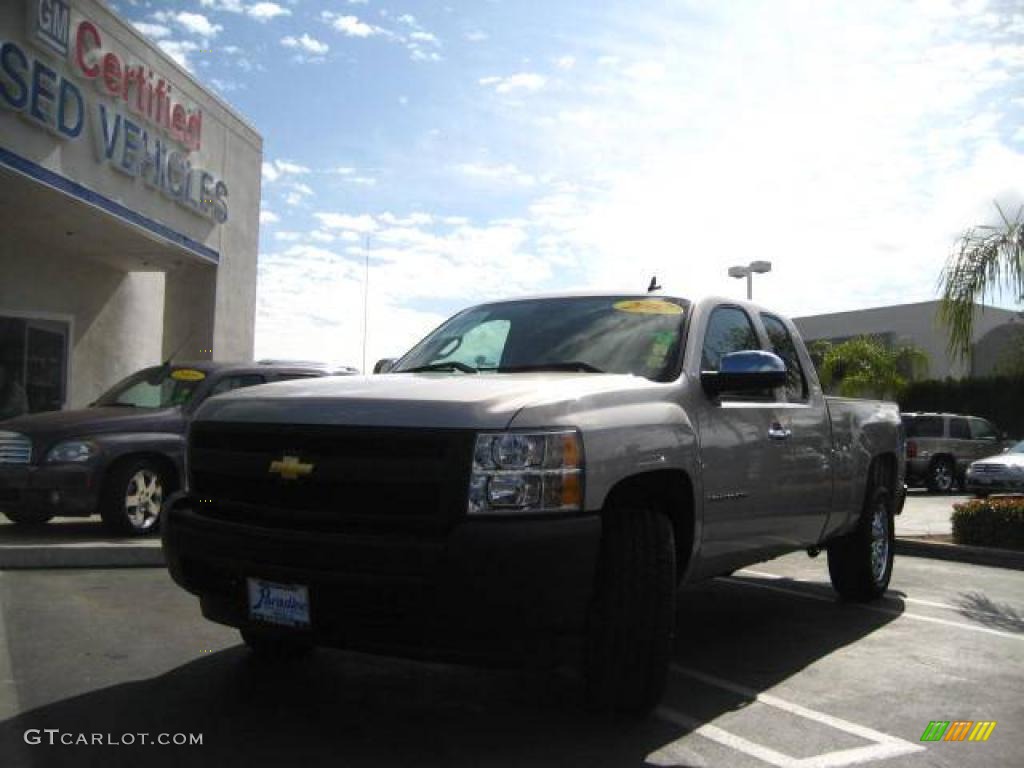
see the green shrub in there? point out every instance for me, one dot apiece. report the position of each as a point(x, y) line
point(993, 522)
point(996, 398)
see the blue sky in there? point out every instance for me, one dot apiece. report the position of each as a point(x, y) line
point(494, 148)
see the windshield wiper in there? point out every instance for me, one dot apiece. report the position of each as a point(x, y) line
point(577, 366)
point(448, 365)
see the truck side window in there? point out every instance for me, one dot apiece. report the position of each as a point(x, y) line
point(783, 346)
point(234, 382)
point(958, 429)
point(729, 330)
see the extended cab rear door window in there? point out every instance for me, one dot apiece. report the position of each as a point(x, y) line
point(782, 344)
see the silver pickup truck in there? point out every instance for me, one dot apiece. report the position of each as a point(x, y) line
point(536, 477)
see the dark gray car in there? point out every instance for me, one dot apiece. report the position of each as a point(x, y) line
point(940, 446)
point(122, 454)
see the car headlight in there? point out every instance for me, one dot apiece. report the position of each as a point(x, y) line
point(71, 451)
point(527, 472)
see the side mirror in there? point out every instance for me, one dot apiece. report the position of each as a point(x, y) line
point(744, 372)
point(384, 365)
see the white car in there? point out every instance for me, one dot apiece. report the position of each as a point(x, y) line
point(1002, 473)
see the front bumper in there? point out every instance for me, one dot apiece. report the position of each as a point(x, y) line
point(60, 489)
point(488, 591)
point(1003, 482)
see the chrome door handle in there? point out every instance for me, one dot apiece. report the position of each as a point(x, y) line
point(779, 432)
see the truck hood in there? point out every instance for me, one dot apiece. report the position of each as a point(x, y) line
point(438, 400)
point(47, 428)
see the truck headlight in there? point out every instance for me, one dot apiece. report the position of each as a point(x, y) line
point(71, 451)
point(527, 472)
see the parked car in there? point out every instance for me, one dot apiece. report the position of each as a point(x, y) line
point(941, 445)
point(535, 476)
point(1002, 473)
point(124, 453)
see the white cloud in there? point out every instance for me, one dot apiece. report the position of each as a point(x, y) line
point(197, 24)
point(504, 173)
point(565, 62)
point(179, 51)
point(522, 81)
point(306, 43)
point(476, 36)
point(232, 6)
point(275, 169)
point(156, 31)
point(268, 217)
point(350, 26)
point(360, 223)
point(266, 11)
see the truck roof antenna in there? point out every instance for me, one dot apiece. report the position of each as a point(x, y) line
point(654, 285)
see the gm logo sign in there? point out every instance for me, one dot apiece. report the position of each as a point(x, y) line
point(49, 23)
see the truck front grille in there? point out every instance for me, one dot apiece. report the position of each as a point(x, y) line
point(15, 448)
point(328, 478)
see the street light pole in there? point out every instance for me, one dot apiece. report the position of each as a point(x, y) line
point(761, 267)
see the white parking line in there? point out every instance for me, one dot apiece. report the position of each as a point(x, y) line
point(884, 746)
point(875, 608)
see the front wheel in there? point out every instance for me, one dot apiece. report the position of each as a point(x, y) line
point(632, 618)
point(941, 476)
point(132, 496)
point(860, 563)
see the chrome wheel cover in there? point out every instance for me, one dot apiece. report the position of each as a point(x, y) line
point(143, 498)
point(943, 476)
point(879, 542)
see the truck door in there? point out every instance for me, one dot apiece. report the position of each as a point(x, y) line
point(741, 462)
point(806, 474)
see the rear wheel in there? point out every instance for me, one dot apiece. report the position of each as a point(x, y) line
point(270, 645)
point(132, 496)
point(632, 618)
point(941, 475)
point(27, 519)
point(860, 563)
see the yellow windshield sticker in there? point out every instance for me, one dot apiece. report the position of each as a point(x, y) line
point(648, 307)
point(187, 374)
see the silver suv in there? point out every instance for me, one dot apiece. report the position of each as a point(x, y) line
point(940, 446)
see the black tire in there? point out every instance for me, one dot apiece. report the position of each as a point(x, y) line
point(121, 483)
point(632, 617)
point(271, 645)
point(27, 519)
point(941, 475)
point(859, 570)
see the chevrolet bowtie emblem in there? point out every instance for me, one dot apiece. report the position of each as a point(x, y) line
point(290, 468)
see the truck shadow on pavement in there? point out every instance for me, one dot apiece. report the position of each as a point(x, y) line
point(347, 709)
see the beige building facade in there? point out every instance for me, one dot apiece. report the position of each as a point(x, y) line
point(129, 206)
point(995, 332)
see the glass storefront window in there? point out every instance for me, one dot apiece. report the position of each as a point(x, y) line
point(33, 365)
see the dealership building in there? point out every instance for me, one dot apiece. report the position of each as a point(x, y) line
point(129, 206)
point(997, 333)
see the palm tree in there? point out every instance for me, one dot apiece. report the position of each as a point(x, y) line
point(986, 261)
point(865, 367)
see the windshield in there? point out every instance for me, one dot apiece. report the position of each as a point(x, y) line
point(157, 387)
point(1018, 448)
point(608, 334)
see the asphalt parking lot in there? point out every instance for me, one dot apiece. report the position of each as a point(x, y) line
point(769, 670)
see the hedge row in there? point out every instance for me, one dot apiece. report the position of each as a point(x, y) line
point(992, 522)
point(997, 398)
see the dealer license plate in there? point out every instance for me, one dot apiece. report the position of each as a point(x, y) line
point(284, 604)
